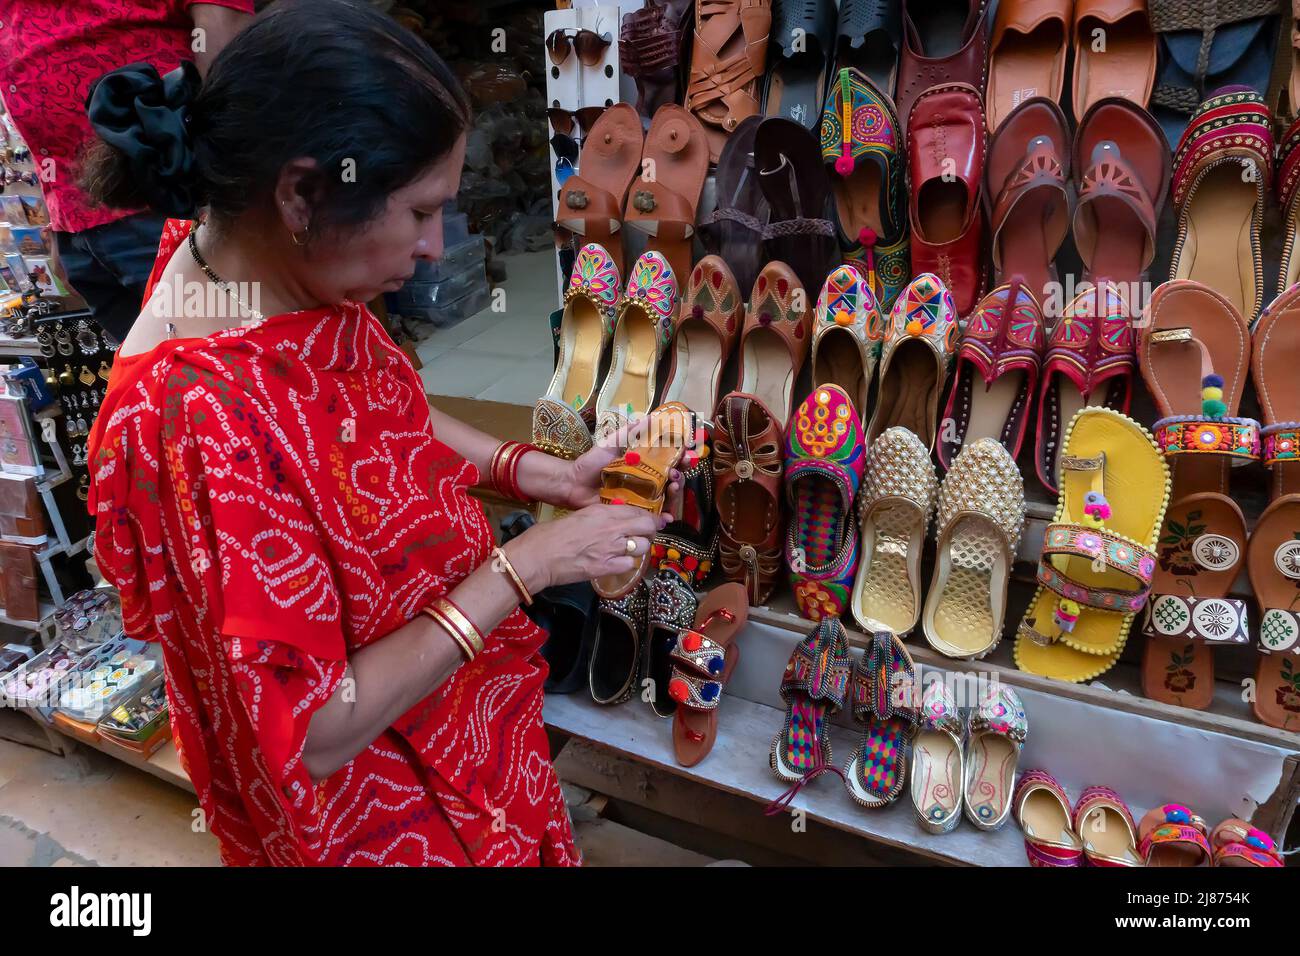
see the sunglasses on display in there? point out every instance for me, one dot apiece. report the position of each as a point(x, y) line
point(565, 121)
point(589, 45)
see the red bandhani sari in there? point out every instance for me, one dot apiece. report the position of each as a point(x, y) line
point(266, 501)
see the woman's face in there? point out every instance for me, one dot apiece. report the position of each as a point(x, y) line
point(383, 255)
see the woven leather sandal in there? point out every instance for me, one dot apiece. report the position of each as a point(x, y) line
point(747, 473)
point(727, 65)
point(649, 51)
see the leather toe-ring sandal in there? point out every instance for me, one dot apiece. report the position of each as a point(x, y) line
point(591, 201)
point(1195, 356)
point(735, 229)
point(796, 190)
point(1273, 560)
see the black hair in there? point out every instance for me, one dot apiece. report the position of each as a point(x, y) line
point(333, 80)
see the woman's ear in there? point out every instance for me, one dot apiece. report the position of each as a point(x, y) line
point(297, 193)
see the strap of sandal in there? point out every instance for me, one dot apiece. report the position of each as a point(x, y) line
point(654, 208)
point(755, 566)
point(732, 214)
point(1279, 630)
point(1041, 169)
point(621, 496)
point(799, 227)
point(884, 682)
point(1180, 99)
point(1180, 826)
point(820, 665)
point(698, 666)
point(1111, 177)
point(1280, 443)
point(648, 41)
point(582, 204)
point(1206, 620)
point(1171, 16)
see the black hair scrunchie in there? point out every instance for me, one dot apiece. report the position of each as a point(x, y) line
point(146, 117)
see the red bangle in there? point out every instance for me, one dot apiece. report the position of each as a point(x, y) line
point(503, 469)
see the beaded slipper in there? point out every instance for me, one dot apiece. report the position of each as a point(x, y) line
point(1194, 352)
point(1098, 558)
point(937, 764)
point(995, 734)
point(616, 653)
point(1042, 809)
point(1237, 843)
point(641, 333)
point(895, 506)
point(1172, 835)
point(813, 687)
point(640, 478)
point(825, 457)
point(1104, 824)
point(847, 333)
point(884, 699)
point(980, 516)
point(703, 658)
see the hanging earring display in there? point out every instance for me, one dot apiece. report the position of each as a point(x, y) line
point(83, 489)
point(78, 454)
point(46, 342)
point(104, 371)
point(87, 376)
point(65, 377)
point(109, 344)
point(63, 340)
point(87, 340)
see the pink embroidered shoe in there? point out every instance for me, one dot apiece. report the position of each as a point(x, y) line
point(1090, 361)
point(1042, 809)
point(847, 333)
point(1105, 825)
point(1002, 351)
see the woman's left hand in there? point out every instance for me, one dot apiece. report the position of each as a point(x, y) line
point(581, 485)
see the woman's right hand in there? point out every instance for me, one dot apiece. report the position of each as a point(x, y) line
point(583, 545)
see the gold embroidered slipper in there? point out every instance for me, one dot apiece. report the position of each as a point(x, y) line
point(1098, 553)
point(894, 508)
point(980, 517)
point(640, 478)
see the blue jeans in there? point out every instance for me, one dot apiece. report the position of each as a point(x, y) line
point(109, 266)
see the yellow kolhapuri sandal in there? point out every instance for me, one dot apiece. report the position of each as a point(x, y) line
point(1099, 551)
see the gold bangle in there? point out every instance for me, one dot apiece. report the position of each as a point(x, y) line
point(462, 623)
point(499, 554)
point(441, 620)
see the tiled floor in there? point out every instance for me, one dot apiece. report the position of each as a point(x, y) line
point(502, 356)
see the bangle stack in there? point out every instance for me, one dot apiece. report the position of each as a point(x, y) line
point(501, 562)
point(503, 471)
point(459, 627)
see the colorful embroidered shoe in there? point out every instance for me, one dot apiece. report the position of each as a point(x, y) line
point(895, 506)
point(563, 416)
point(1222, 169)
point(641, 333)
point(1089, 361)
point(1237, 843)
point(1042, 809)
point(775, 339)
point(847, 334)
point(862, 148)
point(813, 687)
point(824, 462)
point(996, 377)
point(707, 327)
point(1104, 824)
point(1099, 552)
point(1172, 835)
point(1191, 335)
point(938, 767)
point(884, 700)
point(980, 516)
point(995, 734)
point(919, 339)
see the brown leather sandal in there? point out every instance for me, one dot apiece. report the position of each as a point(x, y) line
point(1124, 162)
point(1027, 171)
point(1026, 55)
point(1274, 557)
point(703, 660)
point(591, 201)
point(735, 229)
point(795, 185)
point(649, 51)
point(663, 199)
point(747, 470)
point(640, 478)
point(1194, 338)
point(1125, 64)
point(727, 61)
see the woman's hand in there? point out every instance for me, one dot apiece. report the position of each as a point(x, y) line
point(578, 482)
point(583, 545)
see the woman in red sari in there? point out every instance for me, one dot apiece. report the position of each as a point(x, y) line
point(275, 499)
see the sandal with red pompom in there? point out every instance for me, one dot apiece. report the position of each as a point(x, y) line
point(703, 659)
